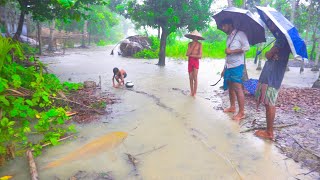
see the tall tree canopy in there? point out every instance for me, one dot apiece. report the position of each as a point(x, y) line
point(169, 15)
point(50, 9)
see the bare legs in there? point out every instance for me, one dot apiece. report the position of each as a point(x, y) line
point(270, 115)
point(236, 91)
point(193, 77)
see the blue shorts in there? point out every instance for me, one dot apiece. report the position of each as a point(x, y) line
point(233, 75)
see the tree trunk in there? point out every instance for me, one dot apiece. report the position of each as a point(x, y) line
point(230, 3)
point(163, 44)
point(316, 63)
point(84, 34)
point(244, 4)
point(20, 25)
point(39, 37)
point(259, 47)
point(310, 15)
point(5, 21)
point(317, 83)
point(158, 32)
point(245, 76)
point(51, 38)
point(293, 4)
point(89, 35)
point(314, 42)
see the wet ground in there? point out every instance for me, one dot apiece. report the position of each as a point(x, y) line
point(180, 137)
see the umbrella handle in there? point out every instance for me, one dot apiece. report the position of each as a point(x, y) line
point(259, 52)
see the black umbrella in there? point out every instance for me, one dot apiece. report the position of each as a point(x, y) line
point(245, 21)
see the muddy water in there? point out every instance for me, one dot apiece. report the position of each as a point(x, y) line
point(189, 138)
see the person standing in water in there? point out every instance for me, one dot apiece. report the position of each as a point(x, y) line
point(271, 78)
point(237, 45)
point(194, 53)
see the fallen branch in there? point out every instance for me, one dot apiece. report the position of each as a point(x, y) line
point(154, 149)
point(32, 165)
point(69, 113)
point(62, 139)
point(132, 159)
point(264, 127)
point(306, 149)
point(74, 102)
point(309, 172)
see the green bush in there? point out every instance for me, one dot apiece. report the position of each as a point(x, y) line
point(28, 106)
point(102, 43)
point(152, 53)
point(28, 50)
point(215, 49)
point(147, 54)
point(213, 34)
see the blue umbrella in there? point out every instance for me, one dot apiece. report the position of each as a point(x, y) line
point(297, 45)
point(245, 21)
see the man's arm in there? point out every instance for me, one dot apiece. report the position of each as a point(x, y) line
point(272, 54)
point(245, 46)
point(199, 55)
point(113, 81)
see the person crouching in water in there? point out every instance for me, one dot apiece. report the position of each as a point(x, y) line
point(194, 53)
point(119, 75)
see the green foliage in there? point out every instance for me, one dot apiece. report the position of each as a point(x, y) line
point(101, 22)
point(169, 16)
point(214, 49)
point(213, 34)
point(102, 43)
point(152, 53)
point(27, 102)
point(27, 49)
point(72, 86)
point(2, 28)
point(147, 54)
point(238, 3)
point(296, 108)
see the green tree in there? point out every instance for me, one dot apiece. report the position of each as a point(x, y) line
point(43, 10)
point(169, 15)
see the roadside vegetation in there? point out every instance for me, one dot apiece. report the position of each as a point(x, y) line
point(31, 114)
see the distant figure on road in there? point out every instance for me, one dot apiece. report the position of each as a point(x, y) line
point(194, 53)
point(119, 75)
point(237, 45)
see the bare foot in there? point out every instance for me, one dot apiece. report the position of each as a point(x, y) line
point(238, 117)
point(264, 134)
point(230, 109)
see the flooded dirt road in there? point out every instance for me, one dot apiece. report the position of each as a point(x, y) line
point(187, 138)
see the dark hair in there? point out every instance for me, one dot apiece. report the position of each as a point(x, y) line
point(115, 70)
point(227, 21)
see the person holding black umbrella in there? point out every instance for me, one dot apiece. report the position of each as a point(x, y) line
point(237, 45)
point(287, 41)
point(271, 78)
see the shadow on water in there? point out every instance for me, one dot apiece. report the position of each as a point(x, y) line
point(197, 140)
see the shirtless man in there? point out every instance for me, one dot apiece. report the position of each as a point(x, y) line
point(119, 75)
point(194, 53)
